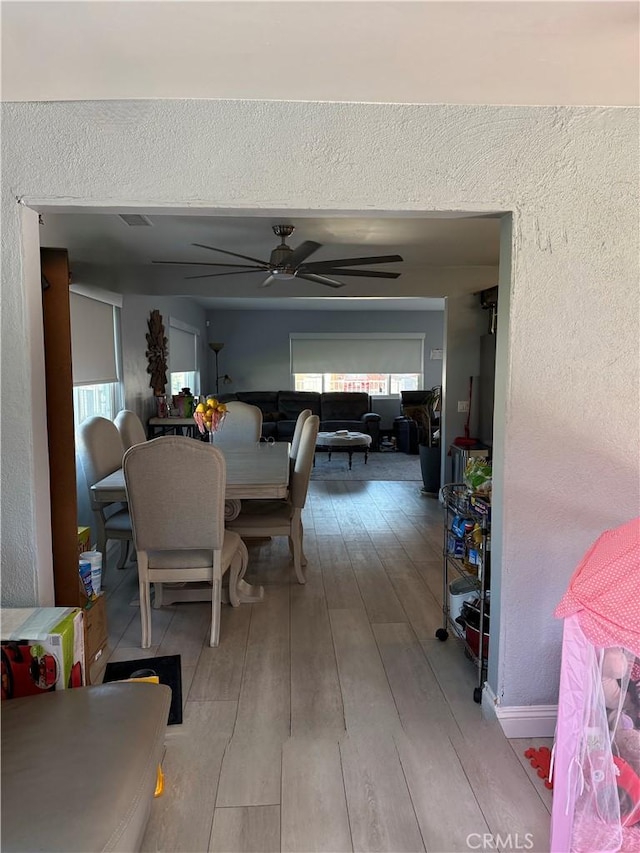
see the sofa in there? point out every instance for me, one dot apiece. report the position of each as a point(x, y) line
point(79, 767)
point(336, 410)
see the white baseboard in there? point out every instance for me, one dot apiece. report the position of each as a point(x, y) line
point(520, 721)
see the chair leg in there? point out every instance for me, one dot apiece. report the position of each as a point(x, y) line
point(124, 553)
point(157, 595)
point(296, 544)
point(145, 613)
point(216, 598)
point(237, 571)
point(303, 559)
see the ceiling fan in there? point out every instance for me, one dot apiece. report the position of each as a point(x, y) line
point(286, 263)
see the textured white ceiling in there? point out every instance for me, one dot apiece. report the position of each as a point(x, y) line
point(473, 52)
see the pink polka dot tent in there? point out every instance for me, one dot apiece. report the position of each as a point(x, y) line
point(596, 772)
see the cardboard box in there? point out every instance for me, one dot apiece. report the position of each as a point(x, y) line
point(96, 634)
point(42, 650)
point(84, 539)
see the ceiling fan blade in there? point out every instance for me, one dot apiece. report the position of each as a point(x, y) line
point(354, 262)
point(302, 252)
point(206, 264)
point(231, 272)
point(320, 279)
point(233, 254)
point(362, 273)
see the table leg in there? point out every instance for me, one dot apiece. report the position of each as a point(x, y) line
point(350, 458)
point(366, 455)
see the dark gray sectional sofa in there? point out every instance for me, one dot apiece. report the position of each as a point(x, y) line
point(336, 410)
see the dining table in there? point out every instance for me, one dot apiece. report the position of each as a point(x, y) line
point(259, 470)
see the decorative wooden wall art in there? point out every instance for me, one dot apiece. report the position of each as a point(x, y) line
point(156, 353)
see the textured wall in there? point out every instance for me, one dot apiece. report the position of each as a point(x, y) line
point(568, 462)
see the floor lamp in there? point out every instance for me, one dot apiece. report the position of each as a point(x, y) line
point(226, 379)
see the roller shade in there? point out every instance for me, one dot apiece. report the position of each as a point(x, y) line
point(182, 350)
point(93, 340)
point(357, 353)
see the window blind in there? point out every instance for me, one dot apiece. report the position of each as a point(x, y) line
point(93, 340)
point(357, 353)
point(182, 350)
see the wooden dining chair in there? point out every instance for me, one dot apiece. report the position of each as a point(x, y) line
point(242, 425)
point(284, 517)
point(99, 449)
point(176, 492)
point(130, 427)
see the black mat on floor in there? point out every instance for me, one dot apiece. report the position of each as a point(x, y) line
point(167, 668)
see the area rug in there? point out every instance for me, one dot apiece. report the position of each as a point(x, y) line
point(167, 668)
point(380, 466)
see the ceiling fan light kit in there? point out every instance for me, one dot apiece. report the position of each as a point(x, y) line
point(286, 263)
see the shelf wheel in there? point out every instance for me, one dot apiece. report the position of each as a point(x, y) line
point(442, 634)
point(477, 695)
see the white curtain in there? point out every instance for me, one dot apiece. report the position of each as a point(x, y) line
point(182, 350)
point(93, 340)
point(357, 353)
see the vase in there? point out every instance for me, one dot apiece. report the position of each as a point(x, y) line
point(430, 467)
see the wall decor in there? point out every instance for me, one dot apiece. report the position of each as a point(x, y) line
point(156, 353)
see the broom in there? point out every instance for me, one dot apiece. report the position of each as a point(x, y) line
point(465, 440)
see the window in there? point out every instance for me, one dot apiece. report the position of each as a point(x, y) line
point(378, 364)
point(183, 357)
point(374, 384)
point(95, 353)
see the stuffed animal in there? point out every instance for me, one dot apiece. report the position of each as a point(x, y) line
point(614, 668)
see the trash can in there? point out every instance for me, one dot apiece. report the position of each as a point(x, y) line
point(406, 432)
point(461, 590)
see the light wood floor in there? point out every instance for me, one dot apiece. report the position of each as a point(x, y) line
point(330, 718)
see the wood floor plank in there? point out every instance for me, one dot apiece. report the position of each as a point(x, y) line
point(421, 609)
point(380, 600)
point(314, 809)
point(247, 829)
point(218, 674)
point(251, 770)
point(365, 691)
point(519, 746)
point(316, 700)
point(443, 799)
point(160, 621)
point(187, 632)
point(381, 813)
point(181, 819)
point(340, 584)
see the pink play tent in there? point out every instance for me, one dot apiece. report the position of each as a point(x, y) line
point(596, 773)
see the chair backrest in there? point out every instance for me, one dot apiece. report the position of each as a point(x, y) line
point(130, 428)
point(175, 488)
point(242, 425)
point(99, 449)
point(301, 473)
point(297, 433)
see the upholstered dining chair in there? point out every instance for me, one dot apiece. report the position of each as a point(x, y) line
point(179, 532)
point(100, 453)
point(242, 425)
point(130, 427)
point(297, 435)
point(284, 517)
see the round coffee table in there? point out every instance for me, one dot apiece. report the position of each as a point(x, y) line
point(344, 440)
